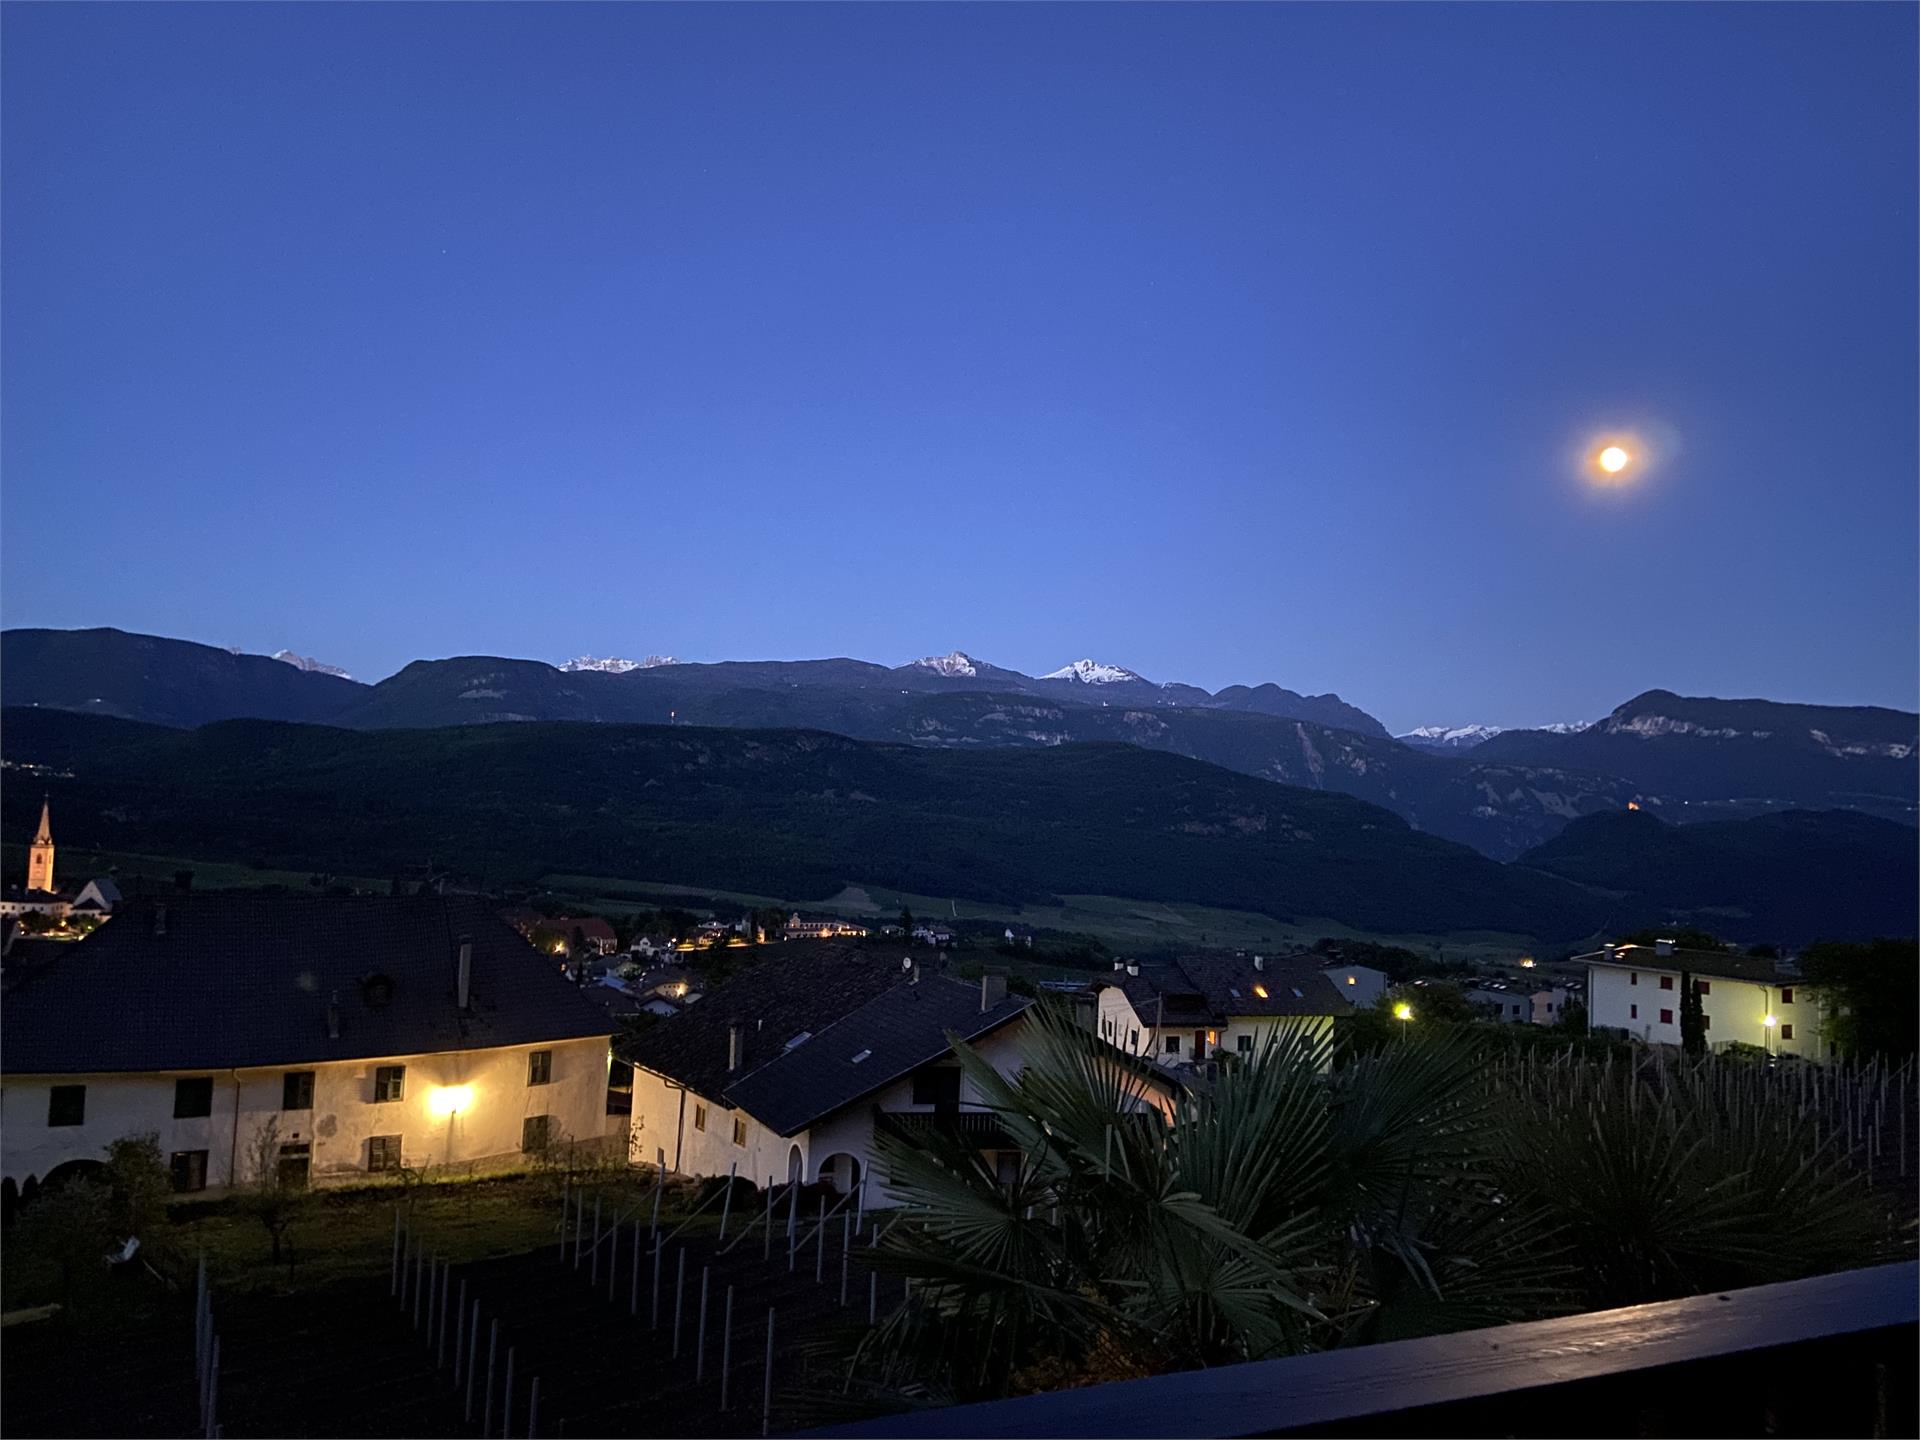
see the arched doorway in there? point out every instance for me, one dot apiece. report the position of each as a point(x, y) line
point(71, 1170)
point(841, 1171)
point(796, 1166)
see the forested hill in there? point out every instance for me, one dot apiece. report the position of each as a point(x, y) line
point(782, 812)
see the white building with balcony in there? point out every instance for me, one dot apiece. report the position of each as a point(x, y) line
point(1744, 998)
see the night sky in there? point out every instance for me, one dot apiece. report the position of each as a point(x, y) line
point(1228, 344)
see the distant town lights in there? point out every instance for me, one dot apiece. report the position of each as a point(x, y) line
point(449, 1099)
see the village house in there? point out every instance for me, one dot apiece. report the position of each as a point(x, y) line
point(1743, 998)
point(1506, 1007)
point(785, 1072)
point(798, 929)
point(375, 1033)
point(1186, 1012)
point(1361, 984)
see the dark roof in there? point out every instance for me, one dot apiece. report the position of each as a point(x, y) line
point(843, 999)
point(894, 1033)
point(243, 980)
point(787, 988)
point(1203, 989)
point(1721, 964)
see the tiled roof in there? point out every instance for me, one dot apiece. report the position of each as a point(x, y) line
point(1204, 989)
point(246, 980)
point(1721, 964)
point(889, 1037)
point(787, 989)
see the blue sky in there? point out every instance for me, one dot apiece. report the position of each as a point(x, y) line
point(1230, 344)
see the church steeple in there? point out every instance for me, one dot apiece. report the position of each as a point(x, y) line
point(40, 853)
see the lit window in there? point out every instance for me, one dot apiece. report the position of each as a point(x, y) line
point(1351, 980)
point(1261, 991)
point(389, 1083)
point(540, 1067)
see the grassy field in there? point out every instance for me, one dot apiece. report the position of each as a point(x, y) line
point(1121, 924)
point(75, 866)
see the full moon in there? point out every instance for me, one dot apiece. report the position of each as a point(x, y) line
point(1613, 459)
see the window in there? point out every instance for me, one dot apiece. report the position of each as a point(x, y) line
point(619, 1088)
point(540, 1067)
point(1666, 982)
point(1133, 1039)
point(389, 1083)
point(296, 1090)
point(1786, 1032)
point(700, 1118)
point(1243, 1043)
point(535, 1132)
point(1703, 987)
point(939, 1087)
point(193, 1098)
point(383, 1153)
point(1786, 996)
point(1633, 977)
point(1173, 1045)
point(189, 1170)
point(1633, 1012)
point(1706, 1022)
point(1666, 1017)
point(296, 1161)
point(739, 1131)
point(67, 1105)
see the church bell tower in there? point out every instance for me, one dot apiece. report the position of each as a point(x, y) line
point(40, 855)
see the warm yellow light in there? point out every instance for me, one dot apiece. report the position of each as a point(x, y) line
point(1771, 1021)
point(449, 1099)
point(1352, 980)
point(1261, 991)
point(1613, 459)
point(1526, 962)
point(1403, 1011)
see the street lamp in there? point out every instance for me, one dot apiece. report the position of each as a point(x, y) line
point(1403, 1012)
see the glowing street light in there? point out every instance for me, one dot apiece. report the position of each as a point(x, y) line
point(1403, 1011)
point(450, 1099)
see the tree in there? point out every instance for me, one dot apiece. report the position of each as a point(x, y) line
point(70, 1227)
point(1572, 1019)
point(906, 922)
point(1693, 1020)
point(139, 1186)
point(272, 1194)
point(1870, 991)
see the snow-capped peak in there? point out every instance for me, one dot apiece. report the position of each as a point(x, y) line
point(1090, 672)
point(954, 663)
point(1566, 727)
point(613, 665)
point(307, 662)
point(1460, 735)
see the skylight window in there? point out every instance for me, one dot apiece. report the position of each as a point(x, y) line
point(797, 1041)
point(861, 1056)
point(1261, 991)
point(1296, 992)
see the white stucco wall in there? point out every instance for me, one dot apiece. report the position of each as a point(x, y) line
point(663, 1115)
point(1117, 1022)
point(486, 1134)
point(1735, 1010)
point(1361, 984)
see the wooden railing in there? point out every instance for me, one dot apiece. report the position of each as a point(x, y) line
point(1833, 1355)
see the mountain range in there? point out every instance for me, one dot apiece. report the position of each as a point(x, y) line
point(1683, 758)
point(802, 814)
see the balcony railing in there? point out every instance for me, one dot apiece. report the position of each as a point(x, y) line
point(1833, 1355)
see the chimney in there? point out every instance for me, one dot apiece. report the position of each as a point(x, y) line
point(466, 971)
point(333, 1016)
point(993, 989)
point(1133, 967)
point(1663, 947)
point(183, 881)
point(159, 920)
point(735, 1043)
point(1259, 962)
point(1607, 950)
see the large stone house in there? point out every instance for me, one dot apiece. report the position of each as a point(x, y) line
point(1745, 998)
point(374, 1033)
point(1189, 1011)
point(785, 1072)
